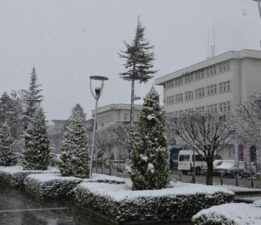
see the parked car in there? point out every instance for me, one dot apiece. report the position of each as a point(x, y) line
point(229, 168)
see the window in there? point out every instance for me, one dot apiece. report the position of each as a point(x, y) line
point(225, 86)
point(184, 157)
point(179, 98)
point(200, 109)
point(225, 107)
point(188, 95)
point(125, 115)
point(200, 92)
point(212, 89)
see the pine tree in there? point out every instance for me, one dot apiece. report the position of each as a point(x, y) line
point(74, 159)
point(139, 57)
point(7, 156)
point(32, 99)
point(149, 157)
point(36, 152)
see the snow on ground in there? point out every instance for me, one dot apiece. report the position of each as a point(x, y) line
point(240, 189)
point(120, 192)
point(230, 214)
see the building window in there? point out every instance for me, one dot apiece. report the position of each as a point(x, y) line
point(189, 95)
point(224, 87)
point(125, 115)
point(225, 107)
point(179, 98)
point(200, 109)
point(212, 90)
point(200, 93)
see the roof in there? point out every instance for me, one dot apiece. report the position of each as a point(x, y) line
point(120, 106)
point(245, 53)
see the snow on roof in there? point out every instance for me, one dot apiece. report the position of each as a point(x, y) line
point(235, 213)
point(121, 192)
point(17, 169)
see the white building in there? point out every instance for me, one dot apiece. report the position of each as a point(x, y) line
point(216, 84)
point(116, 113)
point(110, 115)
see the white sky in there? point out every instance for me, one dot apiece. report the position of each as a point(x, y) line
point(69, 40)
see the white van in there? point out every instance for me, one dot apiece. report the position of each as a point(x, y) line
point(185, 161)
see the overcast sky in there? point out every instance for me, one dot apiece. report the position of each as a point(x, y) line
point(69, 40)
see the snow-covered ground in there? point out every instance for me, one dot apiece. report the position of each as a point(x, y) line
point(123, 192)
point(229, 214)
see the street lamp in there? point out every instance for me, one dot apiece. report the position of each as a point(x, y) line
point(259, 6)
point(96, 93)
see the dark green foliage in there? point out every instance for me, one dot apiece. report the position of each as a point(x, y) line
point(74, 159)
point(7, 156)
point(32, 99)
point(138, 57)
point(36, 152)
point(11, 113)
point(149, 157)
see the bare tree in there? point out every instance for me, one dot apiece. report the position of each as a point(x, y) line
point(122, 133)
point(248, 120)
point(207, 133)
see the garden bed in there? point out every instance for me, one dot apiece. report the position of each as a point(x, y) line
point(122, 205)
point(229, 214)
point(14, 176)
point(54, 186)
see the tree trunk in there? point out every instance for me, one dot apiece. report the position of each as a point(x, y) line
point(132, 102)
point(209, 177)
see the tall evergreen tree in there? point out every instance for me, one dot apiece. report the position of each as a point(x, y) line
point(36, 152)
point(139, 57)
point(149, 157)
point(74, 159)
point(11, 113)
point(7, 156)
point(32, 99)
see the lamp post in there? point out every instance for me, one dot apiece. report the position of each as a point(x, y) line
point(259, 6)
point(96, 93)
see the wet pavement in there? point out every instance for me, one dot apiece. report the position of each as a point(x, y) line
point(17, 208)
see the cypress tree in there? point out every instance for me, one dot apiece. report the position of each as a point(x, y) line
point(7, 156)
point(139, 57)
point(36, 152)
point(32, 99)
point(149, 157)
point(74, 159)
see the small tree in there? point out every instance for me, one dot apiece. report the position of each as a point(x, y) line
point(74, 159)
point(149, 156)
point(36, 152)
point(138, 64)
point(207, 133)
point(7, 156)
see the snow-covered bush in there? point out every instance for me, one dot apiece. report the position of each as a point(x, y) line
point(36, 152)
point(74, 158)
point(229, 214)
point(50, 186)
point(148, 167)
point(14, 175)
point(7, 156)
point(121, 204)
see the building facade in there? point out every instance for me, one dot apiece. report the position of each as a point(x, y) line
point(217, 84)
point(116, 113)
point(107, 117)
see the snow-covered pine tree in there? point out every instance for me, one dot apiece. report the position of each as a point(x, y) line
point(36, 152)
point(149, 157)
point(74, 159)
point(139, 57)
point(32, 99)
point(7, 156)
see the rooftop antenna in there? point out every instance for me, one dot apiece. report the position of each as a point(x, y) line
point(213, 47)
